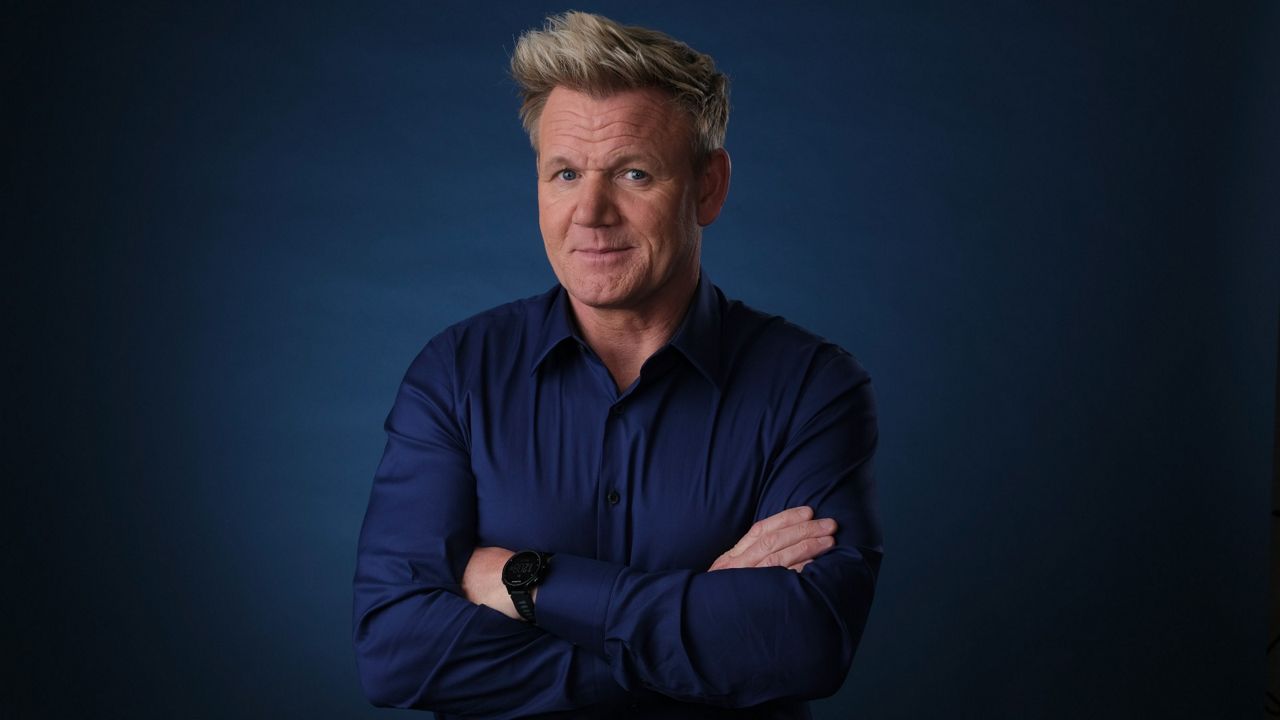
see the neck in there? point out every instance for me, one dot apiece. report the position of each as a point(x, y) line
point(624, 338)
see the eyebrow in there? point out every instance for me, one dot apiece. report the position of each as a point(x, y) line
point(560, 161)
point(554, 161)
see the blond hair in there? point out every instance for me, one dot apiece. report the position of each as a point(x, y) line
point(595, 55)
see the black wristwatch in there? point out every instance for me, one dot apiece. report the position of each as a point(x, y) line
point(522, 573)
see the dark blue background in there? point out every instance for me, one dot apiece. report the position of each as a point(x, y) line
point(1050, 232)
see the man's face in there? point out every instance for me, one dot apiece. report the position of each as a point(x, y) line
point(618, 201)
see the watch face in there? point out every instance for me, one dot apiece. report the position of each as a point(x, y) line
point(521, 569)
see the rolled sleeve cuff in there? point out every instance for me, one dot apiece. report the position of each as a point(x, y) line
point(573, 600)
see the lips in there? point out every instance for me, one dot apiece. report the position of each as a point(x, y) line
point(602, 251)
point(602, 256)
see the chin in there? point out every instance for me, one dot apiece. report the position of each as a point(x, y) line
point(601, 292)
point(601, 299)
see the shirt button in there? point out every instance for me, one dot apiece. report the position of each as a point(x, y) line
point(613, 497)
point(616, 410)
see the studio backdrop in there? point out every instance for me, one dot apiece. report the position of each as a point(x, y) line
point(1049, 231)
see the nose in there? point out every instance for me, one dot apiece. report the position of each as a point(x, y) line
point(595, 206)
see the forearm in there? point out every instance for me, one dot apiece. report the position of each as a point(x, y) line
point(733, 637)
point(809, 654)
point(420, 644)
point(431, 649)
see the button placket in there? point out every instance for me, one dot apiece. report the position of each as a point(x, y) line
point(613, 497)
point(614, 478)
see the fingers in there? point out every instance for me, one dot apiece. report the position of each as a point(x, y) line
point(799, 553)
point(786, 518)
point(777, 521)
point(789, 539)
point(774, 547)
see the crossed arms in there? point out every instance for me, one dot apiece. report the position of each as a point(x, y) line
point(790, 539)
point(786, 627)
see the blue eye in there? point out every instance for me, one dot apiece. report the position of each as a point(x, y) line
point(636, 175)
point(567, 175)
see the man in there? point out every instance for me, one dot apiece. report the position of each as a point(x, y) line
point(688, 481)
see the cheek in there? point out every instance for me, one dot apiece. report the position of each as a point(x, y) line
point(667, 225)
point(650, 216)
point(551, 220)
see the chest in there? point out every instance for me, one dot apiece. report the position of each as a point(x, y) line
point(665, 476)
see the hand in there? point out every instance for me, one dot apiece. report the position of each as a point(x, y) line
point(482, 580)
point(790, 539)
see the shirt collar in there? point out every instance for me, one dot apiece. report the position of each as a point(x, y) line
point(557, 327)
point(697, 337)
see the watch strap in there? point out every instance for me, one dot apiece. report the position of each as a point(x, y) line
point(523, 600)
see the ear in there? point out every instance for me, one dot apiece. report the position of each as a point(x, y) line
point(713, 186)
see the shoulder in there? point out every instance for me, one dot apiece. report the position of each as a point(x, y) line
point(501, 333)
point(504, 322)
point(755, 342)
point(790, 383)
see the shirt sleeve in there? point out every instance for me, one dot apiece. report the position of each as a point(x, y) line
point(741, 637)
point(419, 643)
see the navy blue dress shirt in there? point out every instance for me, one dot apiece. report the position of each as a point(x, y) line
point(509, 431)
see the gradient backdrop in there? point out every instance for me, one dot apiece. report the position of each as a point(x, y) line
point(1049, 231)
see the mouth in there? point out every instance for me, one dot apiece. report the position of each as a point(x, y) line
point(602, 251)
point(602, 257)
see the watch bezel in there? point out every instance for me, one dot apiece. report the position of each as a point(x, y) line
point(527, 578)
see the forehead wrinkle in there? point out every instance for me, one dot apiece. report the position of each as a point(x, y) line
point(647, 110)
point(597, 131)
point(596, 141)
point(636, 117)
